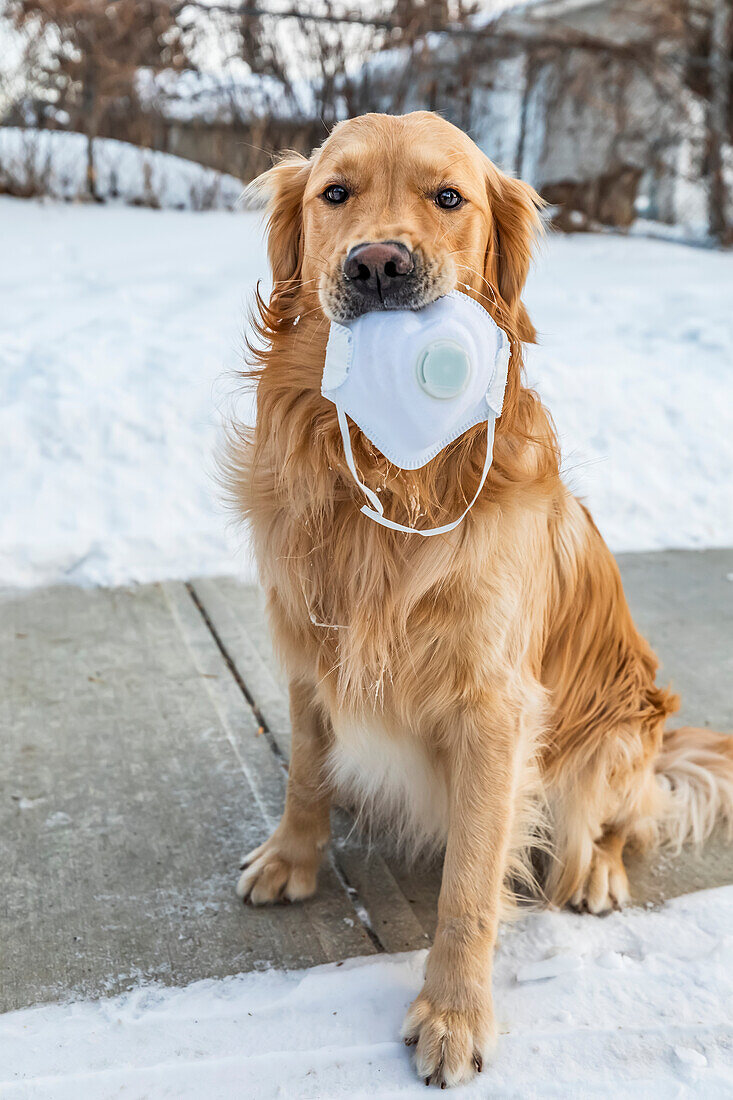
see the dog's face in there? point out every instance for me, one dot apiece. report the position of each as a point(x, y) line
point(395, 215)
point(394, 211)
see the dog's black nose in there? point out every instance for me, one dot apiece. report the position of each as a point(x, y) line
point(378, 268)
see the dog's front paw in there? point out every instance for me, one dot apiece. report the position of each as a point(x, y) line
point(272, 873)
point(450, 1044)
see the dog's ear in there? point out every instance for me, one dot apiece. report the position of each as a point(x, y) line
point(281, 190)
point(515, 209)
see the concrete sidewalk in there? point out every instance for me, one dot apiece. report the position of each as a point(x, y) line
point(145, 741)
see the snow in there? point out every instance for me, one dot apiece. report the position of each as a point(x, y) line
point(635, 363)
point(121, 330)
point(53, 163)
point(117, 330)
point(655, 1024)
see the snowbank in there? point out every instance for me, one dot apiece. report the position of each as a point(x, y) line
point(635, 362)
point(53, 163)
point(121, 330)
point(116, 326)
point(636, 1004)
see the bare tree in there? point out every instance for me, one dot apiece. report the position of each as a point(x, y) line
point(92, 51)
point(320, 55)
point(284, 71)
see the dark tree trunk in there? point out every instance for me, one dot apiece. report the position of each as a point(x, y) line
point(91, 172)
point(91, 126)
point(718, 115)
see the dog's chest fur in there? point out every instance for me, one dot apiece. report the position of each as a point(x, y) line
point(389, 634)
point(391, 779)
point(369, 638)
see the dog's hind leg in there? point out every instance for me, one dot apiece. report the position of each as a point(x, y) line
point(596, 810)
point(587, 871)
point(605, 885)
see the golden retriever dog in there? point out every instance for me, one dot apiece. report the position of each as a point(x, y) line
point(485, 690)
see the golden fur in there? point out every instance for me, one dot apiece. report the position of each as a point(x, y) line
point(486, 689)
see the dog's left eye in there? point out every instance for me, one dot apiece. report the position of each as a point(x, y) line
point(336, 194)
point(449, 198)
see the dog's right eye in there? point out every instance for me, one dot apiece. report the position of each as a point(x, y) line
point(336, 194)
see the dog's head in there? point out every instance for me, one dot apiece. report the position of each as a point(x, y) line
point(391, 213)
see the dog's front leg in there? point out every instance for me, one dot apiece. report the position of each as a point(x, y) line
point(451, 1021)
point(285, 867)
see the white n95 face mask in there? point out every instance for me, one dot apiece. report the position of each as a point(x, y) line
point(414, 381)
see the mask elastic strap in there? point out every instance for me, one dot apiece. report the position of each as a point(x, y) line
point(349, 454)
point(377, 511)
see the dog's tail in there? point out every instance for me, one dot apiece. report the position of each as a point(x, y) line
point(695, 772)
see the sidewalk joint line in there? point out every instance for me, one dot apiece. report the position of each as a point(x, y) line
point(356, 902)
point(237, 677)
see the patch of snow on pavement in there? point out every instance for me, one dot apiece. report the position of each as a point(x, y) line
point(118, 327)
point(656, 1024)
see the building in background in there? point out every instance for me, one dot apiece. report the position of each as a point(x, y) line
point(604, 105)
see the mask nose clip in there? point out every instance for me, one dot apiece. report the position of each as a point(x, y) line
point(443, 369)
